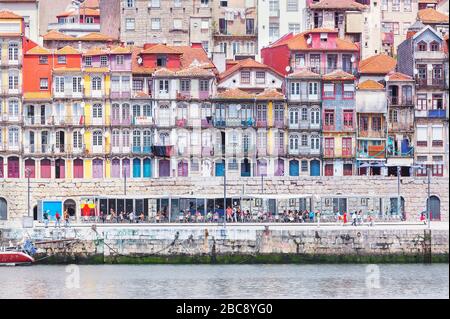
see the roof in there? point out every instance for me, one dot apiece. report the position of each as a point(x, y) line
point(136, 68)
point(298, 42)
point(338, 4)
point(37, 50)
point(55, 35)
point(338, 75)
point(304, 74)
point(90, 4)
point(432, 16)
point(246, 64)
point(161, 49)
point(195, 71)
point(96, 51)
point(67, 50)
point(397, 76)
point(96, 36)
point(192, 55)
point(370, 85)
point(164, 72)
point(377, 64)
point(120, 50)
point(235, 94)
point(270, 94)
point(5, 14)
point(85, 11)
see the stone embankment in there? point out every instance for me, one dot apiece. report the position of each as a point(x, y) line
point(236, 244)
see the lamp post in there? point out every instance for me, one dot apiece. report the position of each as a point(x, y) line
point(429, 193)
point(27, 175)
point(398, 190)
point(124, 180)
point(224, 193)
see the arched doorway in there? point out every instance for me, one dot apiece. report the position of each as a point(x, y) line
point(3, 209)
point(435, 208)
point(71, 207)
point(314, 168)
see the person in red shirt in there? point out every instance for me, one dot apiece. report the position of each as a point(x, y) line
point(58, 219)
point(345, 218)
point(229, 213)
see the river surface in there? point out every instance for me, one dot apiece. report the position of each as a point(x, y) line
point(226, 281)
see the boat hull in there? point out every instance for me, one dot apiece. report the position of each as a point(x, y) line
point(15, 258)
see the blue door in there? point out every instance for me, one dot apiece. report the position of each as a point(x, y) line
point(293, 168)
point(315, 168)
point(147, 167)
point(136, 168)
point(220, 167)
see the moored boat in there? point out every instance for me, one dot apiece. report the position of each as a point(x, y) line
point(15, 257)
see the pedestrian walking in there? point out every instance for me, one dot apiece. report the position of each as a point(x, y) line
point(345, 218)
point(66, 218)
point(131, 217)
point(318, 218)
point(354, 219)
point(58, 220)
point(46, 219)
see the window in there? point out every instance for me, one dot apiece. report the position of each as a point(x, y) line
point(89, 20)
point(421, 101)
point(438, 102)
point(349, 90)
point(96, 83)
point(348, 118)
point(292, 5)
point(313, 89)
point(346, 146)
point(395, 5)
point(224, 3)
point(293, 142)
point(13, 81)
point(295, 88)
point(245, 77)
point(422, 135)
point(88, 61)
point(279, 113)
point(161, 61)
point(129, 24)
point(119, 59)
point(163, 86)
point(260, 77)
point(422, 46)
point(299, 60)
point(138, 85)
point(329, 117)
point(155, 3)
point(185, 85)
point(293, 116)
point(13, 51)
point(332, 62)
point(304, 114)
point(43, 59)
point(13, 136)
point(304, 166)
point(136, 138)
point(204, 85)
point(147, 139)
point(59, 84)
point(315, 117)
point(376, 123)
point(294, 28)
point(329, 146)
point(156, 23)
point(304, 140)
point(406, 27)
point(396, 28)
point(97, 138)
point(274, 31)
point(126, 139)
point(61, 59)
point(364, 123)
point(103, 60)
point(76, 84)
point(115, 140)
point(434, 46)
point(223, 26)
point(437, 136)
point(328, 90)
point(315, 142)
point(407, 95)
point(13, 108)
point(177, 3)
point(393, 116)
point(43, 84)
point(407, 5)
point(130, 3)
point(136, 110)
point(77, 140)
point(205, 45)
point(249, 26)
point(97, 111)
point(177, 24)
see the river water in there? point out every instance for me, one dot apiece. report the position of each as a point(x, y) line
point(226, 281)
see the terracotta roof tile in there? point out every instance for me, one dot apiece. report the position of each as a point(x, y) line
point(161, 49)
point(5, 14)
point(270, 94)
point(68, 50)
point(94, 4)
point(55, 35)
point(120, 50)
point(96, 51)
point(304, 74)
point(164, 72)
point(377, 64)
point(195, 71)
point(235, 94)
point(86, 11)
point(298, 43)
point(397, 76)
point(432, 16)
point(95, 36)
point(338, 75)
point(246, 64)
point(338, 4)
point(37, 50)
point(370, 85)
point(194, 55)
point(136, 68)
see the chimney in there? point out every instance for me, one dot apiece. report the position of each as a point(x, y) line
point(230, 63)
point(196, 45)
point(149, 45)
point(410, 34)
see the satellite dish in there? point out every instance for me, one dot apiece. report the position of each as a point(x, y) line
point(238, 107)
point(288, 69)
point(386, 78)
point(139, 60)
point(309, 40)
point(82, 131)
point(82, 105)
point(106, 134)
point(352, 59)
point(416, 71)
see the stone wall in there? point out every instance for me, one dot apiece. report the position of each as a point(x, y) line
point(413, 189)
point(236, 244)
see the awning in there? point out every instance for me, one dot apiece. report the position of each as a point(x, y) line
point(399, 162)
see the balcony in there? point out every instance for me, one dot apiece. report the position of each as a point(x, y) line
point(372, 134)
point(429, 55)
point(401, 126)
point(142, 120)
point(207, 151)
point(274, 13)
point(376, 151)
point(261, 123)
point(421, 143)
point(328, 153)
point(141, 149)
point(329, 128)
point(437, 113)
point(120, 95)
point(233, 122)
point(183, 95)
point(205, 123)
point(181, 122)
point(203, 95)
point(219, 122)
point(437, 143)
point(81, 28)
point(279, 124)
point(10, 118)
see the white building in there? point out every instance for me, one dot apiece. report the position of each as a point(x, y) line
point(277, 18)
point(29, 10)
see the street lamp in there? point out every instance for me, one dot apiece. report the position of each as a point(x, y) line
point(124, 172)
point(398, 190)
point(28, 175)
point(224, 192)
point(427, 167)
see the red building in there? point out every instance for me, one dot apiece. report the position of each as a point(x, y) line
point(319, 50)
